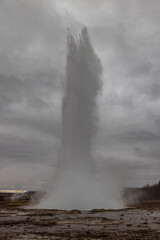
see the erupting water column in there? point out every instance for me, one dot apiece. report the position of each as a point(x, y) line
point(76, 185)
point(83, 71)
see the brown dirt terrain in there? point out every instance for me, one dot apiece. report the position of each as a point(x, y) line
point(18, 223)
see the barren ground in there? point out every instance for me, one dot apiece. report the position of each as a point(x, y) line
point(21, 223)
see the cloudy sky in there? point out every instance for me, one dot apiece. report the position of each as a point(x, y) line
point(125, 34)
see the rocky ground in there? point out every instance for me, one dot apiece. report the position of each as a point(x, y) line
point(18, 223)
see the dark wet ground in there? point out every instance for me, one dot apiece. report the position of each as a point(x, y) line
point(136, 224)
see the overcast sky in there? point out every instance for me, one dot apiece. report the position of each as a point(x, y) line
point(125, 34)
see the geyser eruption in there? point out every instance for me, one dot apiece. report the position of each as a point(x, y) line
point(76, 185)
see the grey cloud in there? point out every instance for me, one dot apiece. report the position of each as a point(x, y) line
point(24, 35)
point(141, 69)
point(135, 173)
point(139, 136)
point(124, 101)
point(18, 148)
point(152, 153)
point(157, 123)
point(31, 62)
point(150, 90)
point(34, 91)
point(46, 124)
